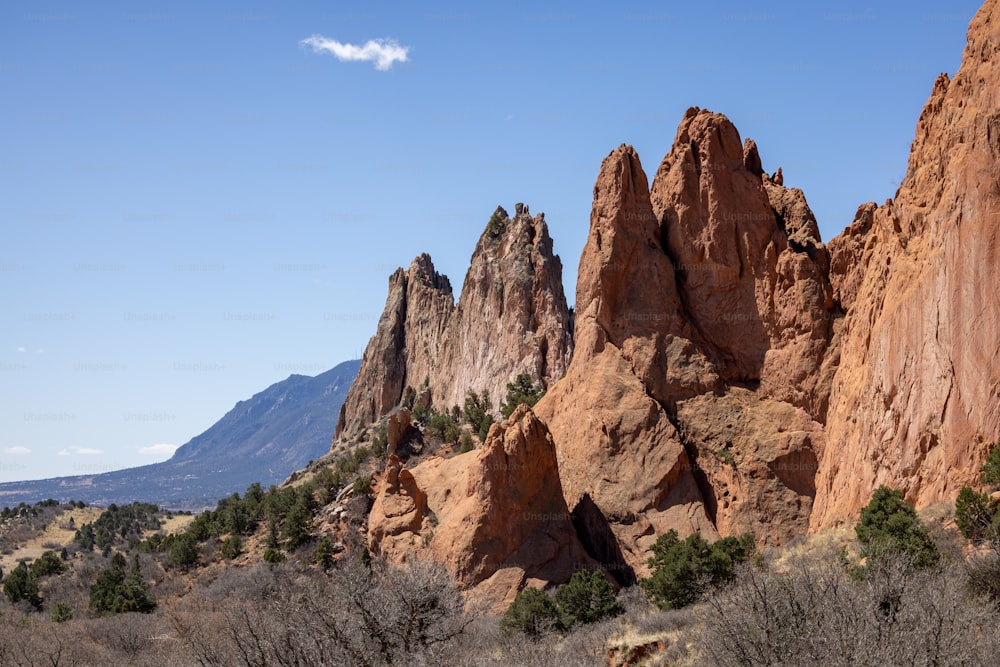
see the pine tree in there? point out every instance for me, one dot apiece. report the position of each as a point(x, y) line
point(889, 524)
point(105, 593)
point(324, 552)
point(682, 569)
point(135, 595)
point(521, 390)
point(114, 592)
point(47, 564)
point(232, 547)
point(587, 597)
point(991, 469)
point(183, 551)
point(534, 613)
point(20, 584)
point(296, 529)
point(974, 514)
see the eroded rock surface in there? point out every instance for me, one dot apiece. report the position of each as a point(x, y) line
point(511, 318)
point(494, 516)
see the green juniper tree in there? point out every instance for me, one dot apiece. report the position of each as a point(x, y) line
point(889, 526)
point(587, 597)
point(534, 613)
point(683, 570)
point(521, 390)
point(21, 584)
point(991, 469)
point(476, 412)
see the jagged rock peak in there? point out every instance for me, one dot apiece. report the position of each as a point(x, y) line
point(694, 302)
point(511, 318)
point(751, 158)
point(417, 310)
point(422, 269)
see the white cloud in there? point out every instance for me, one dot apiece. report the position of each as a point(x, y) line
point(22, 349)
point(17, 450)
point(383, 52)
point(161, 449)
point(80, 451)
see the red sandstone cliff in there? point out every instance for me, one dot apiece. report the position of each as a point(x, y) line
point(703, 315)
point(914, 401)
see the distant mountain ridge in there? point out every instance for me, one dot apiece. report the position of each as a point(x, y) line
point(262, 439)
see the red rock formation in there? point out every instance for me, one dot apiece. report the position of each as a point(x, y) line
point(494, 516)
point(759, 458)
point(730, 371)
point(750, 265)
point(618, 447)
point(511, 318)
point(404, 349)
point(714, 281)
point(914, 401)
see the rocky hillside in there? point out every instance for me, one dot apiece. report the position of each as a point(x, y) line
point(729, 371)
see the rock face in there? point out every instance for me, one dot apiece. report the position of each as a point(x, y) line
point(730, 372)
point(511, 318)
point(703, 296)
point(416, 313)
point(494, 516)
point(751, 271)
point(914, 401)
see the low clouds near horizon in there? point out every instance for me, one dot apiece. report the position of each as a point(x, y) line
point(80, 451)
point(16, 450)
point(383, 52)
point(161, 449)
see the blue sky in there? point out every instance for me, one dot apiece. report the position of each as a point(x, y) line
point(195, 204)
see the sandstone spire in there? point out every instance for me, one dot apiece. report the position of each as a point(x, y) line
point(703, 317)
point(416, 312)
point(511, 318)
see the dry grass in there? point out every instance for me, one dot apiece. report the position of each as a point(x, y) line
point(829, 540)
point(57, 532)
point(176, 524)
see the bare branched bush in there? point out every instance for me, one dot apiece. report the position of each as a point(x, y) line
point(983, 576)
point(815, 613)
point(6, 640)
point(280, 616)
point(483, 644)
point(126, 635)
point(26, 642)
